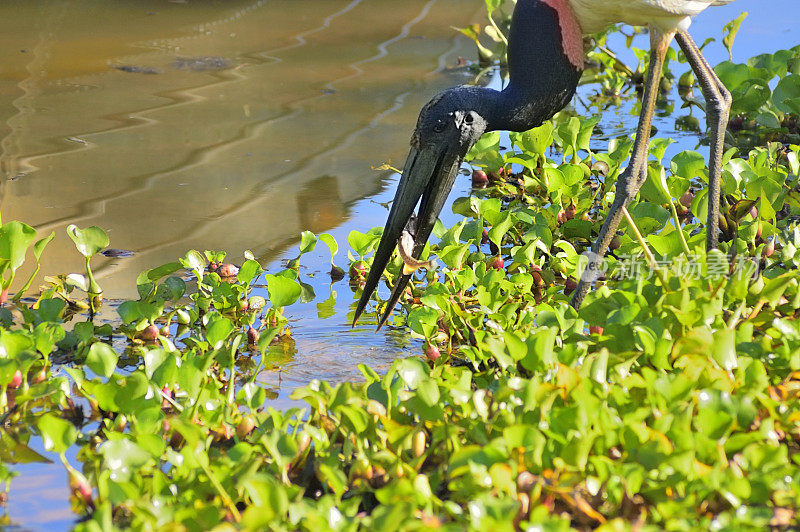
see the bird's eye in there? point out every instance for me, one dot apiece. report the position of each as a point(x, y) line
point(468, 119)
point(439, 126)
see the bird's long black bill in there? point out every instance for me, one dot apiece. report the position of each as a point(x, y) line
point(427, 175)
point(432, 202)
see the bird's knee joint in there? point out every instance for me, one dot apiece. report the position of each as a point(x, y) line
point(718, 108)
point(721, 102)
point(725, 94)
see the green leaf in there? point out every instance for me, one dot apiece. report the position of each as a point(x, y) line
point(251, 395)
point(488, 142)
point(159, 365)
point(218, 330)
point(577, 228)
point(195, 261)
point(423, 321)
point(38, 247)
point(428, 391)
point(282, 290)
point(501, 222)
point(566, 134)
point(654, 188)
point(51, 309)
point(658, 147)
point(536, 140)
point(688, 164)
point(307, 293)
point(486, 151)
point(732, 74)
point(47, 335)
point(585, 132)
point(249, 271)
point(776, 287)
point(554, 180)
point(89, 241)
point(175, 288)
point(453, 256)
point(572, 174)
point(102, 359)
point(129, 311)
point(359, 242)
point(667, 245)
point(329, 241)
point(412, 371)
point(749, 96)
point(700, 204)
point(162, 271)
point(58, 435)
point(729, 32)
point(786, 95)
point(645, 209)
point(492, 5)
point(84, 331)
point(15, 238)
point(308, 241)
point(724, 349)
point(123, 458)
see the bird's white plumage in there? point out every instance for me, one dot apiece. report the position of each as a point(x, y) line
point(665, 15)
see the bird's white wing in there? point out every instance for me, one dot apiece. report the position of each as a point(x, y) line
point(668, 15)
point(685, 7)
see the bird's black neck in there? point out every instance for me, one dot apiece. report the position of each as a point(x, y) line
point(543, 79)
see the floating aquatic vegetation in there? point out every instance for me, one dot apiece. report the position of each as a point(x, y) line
point(668, 401)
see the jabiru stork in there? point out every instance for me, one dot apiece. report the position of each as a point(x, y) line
point(545, 61)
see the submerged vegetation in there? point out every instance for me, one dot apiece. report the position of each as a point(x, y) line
point(669, 401)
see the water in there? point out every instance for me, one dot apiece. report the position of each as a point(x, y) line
point(208, 125)
point(236, 125)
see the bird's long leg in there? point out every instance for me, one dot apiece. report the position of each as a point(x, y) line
point(718, 106)
point(631, 180)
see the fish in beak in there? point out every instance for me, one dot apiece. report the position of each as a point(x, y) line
point(405, 247)
point(444, 134)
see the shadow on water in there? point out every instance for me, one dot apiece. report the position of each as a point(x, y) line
point(236, 125)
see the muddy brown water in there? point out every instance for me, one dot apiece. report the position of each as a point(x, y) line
point(209, 125)
point(236, 125)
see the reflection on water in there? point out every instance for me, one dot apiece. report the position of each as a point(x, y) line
point(43, 485)
point(208, 125)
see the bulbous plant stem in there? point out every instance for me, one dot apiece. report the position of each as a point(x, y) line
point(4, 290)
point(94, 289)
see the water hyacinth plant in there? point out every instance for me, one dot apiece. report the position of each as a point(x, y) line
point(668, 401)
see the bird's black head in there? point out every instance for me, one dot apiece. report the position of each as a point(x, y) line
point(452, 121)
